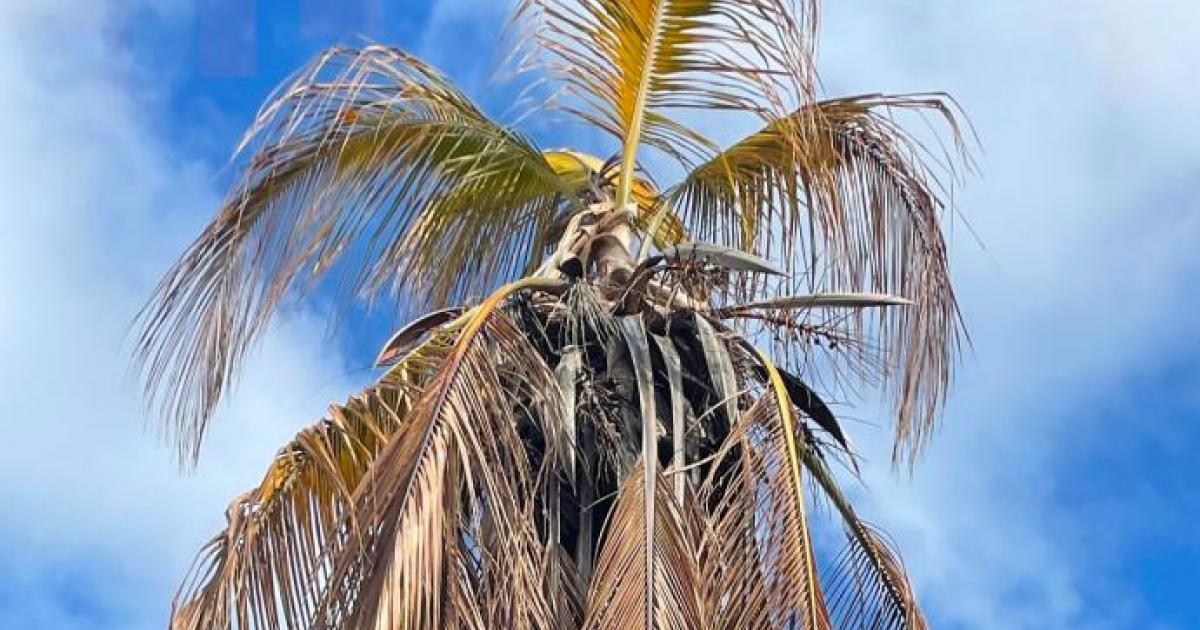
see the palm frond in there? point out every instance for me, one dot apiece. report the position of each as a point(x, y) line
point(405, 338)
point(628, 63)
point(647, 575)
point(803, 398)
point(725, 257)
point(450, 504)
point(259, 571)
point(817, 300)
point(848, 201)
point(794, 571)
point(368, 155)
point(634, 332)
point(465, 518)
point(721, 371)
point(735, 576)
point(868, 586)
point(673, 366)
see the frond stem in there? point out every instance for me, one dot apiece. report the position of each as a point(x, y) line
point(634, 133)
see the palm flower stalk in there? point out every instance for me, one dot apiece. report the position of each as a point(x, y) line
point(609, 406)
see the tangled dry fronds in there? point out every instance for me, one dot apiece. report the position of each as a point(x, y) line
point(631, 430)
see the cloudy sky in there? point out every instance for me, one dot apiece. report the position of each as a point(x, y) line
point(1061, 492)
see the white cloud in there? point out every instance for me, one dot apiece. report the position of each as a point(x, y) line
point(1085, 207)
point(98, 526)
point(1090, 226)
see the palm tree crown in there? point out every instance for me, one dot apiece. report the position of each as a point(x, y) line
point(607, 408)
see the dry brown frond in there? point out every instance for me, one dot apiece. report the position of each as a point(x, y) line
point(648, 574)
point(457, 480)
point(405, 189)
point(848, 201)
point(263, 569)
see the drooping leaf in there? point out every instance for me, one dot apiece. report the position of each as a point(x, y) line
point(735, 576)
point(260, 572)
point(462, 442)
point(370, 162)
point(796, 569)
point(806, 400)
point(647, 575)
point(674, 369)
point(720, 367)
point(567, 375)
point(868, 587)
point(847, 201)
point(639, 354)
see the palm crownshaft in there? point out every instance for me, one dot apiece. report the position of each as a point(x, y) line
point(600, 442)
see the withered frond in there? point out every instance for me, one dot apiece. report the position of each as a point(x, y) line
point(450, 504)
point(495, 478)
point(648, 573)
point(848, 201)
point(371, 156)
point(265, 568)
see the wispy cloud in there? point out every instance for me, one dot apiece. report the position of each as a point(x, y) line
point(1089, 223)
point(1087, 209)
point(97, 524)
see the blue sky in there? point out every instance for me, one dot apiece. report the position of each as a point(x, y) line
point(1061, 492)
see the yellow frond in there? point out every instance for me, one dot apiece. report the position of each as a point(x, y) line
point(629, 63)
point(406, 187)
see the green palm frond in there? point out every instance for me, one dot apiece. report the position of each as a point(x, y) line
point(369, 155)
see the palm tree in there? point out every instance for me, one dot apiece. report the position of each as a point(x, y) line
point(608, 408)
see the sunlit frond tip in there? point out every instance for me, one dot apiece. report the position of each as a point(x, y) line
point(628, 64)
